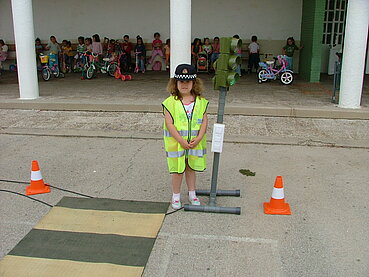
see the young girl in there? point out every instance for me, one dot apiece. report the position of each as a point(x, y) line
point(185, 131)
point(53, 46)
point(207, 48)
point(195, 50)
point(140, 51)
point(157, 47)
point(288, 50)
point(96, 45)
point(167, 53)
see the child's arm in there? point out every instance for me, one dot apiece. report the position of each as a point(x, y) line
point(194, 142)
point(173, 131)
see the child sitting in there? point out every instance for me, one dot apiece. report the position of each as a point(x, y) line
point(81, 48)
point(53, 46)
point(157, 47)
point(195, 50)
point(96, 45)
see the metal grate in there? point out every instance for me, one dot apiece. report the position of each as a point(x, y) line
point(334, 22)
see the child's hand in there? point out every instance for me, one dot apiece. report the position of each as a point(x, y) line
point(184, 144)
point(194, 142)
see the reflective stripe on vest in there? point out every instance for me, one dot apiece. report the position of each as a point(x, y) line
point(197, 152)
point(184, 133)
point(175, 154)
point(192, 152)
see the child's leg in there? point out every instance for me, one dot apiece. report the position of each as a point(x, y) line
point(191, 184)
point(176, 182)
point(153, 55)
point(190, 178)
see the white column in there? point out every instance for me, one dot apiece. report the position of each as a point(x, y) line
point(25, 48)
point(180, 33)
point(356, 34)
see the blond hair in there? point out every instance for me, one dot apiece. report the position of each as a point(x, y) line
point(197, 88)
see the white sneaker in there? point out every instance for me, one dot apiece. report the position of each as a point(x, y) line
point(176, 205)
point(195, 201)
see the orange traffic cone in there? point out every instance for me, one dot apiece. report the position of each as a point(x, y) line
point(37, 183)
point(277, 204)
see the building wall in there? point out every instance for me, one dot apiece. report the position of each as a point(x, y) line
point(272, 21)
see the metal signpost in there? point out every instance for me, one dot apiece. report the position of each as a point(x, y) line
point(225, 76)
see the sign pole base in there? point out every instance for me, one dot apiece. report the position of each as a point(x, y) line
point(212, 209)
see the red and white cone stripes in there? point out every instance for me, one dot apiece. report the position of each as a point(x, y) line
point(37, 185)
point(277, 204)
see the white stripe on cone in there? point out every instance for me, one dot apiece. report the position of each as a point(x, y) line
point(278, 193)
point(36, 175)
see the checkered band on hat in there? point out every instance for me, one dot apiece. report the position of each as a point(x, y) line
point(185, 76)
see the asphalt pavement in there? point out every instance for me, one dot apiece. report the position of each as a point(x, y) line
point(120, 155)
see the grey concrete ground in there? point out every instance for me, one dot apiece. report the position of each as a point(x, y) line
point(324, 164)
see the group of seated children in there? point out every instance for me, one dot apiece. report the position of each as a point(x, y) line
point(212, 51)
point(109, 48)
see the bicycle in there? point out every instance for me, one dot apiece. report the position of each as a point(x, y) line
point(50, 66)
point(93, 65)
point(270, 71)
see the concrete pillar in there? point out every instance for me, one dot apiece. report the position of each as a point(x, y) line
point(356, 34)
point(180, 33)
point(25, 48)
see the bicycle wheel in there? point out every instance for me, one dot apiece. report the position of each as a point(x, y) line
point(90, 72)
point(56, 72)
point(111, 69)
point(45, 73)
point(286, 78)
point(260, 76)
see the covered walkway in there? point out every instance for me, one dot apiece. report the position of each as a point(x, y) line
point(146, 92)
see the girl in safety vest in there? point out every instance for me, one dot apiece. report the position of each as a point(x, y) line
point(185, 131)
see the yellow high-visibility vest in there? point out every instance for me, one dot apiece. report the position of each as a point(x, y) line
point(188, 128)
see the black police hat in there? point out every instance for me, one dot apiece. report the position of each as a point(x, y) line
point(185, 72)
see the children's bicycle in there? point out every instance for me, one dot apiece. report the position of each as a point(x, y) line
point(118, 73)
point(50, 66)
point(93, 65)
point(271, 71)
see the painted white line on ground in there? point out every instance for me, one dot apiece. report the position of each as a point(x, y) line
point(217, 237)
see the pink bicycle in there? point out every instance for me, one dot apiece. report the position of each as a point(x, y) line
point(271, 71)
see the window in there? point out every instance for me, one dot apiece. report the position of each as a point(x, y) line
point(334, 22)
